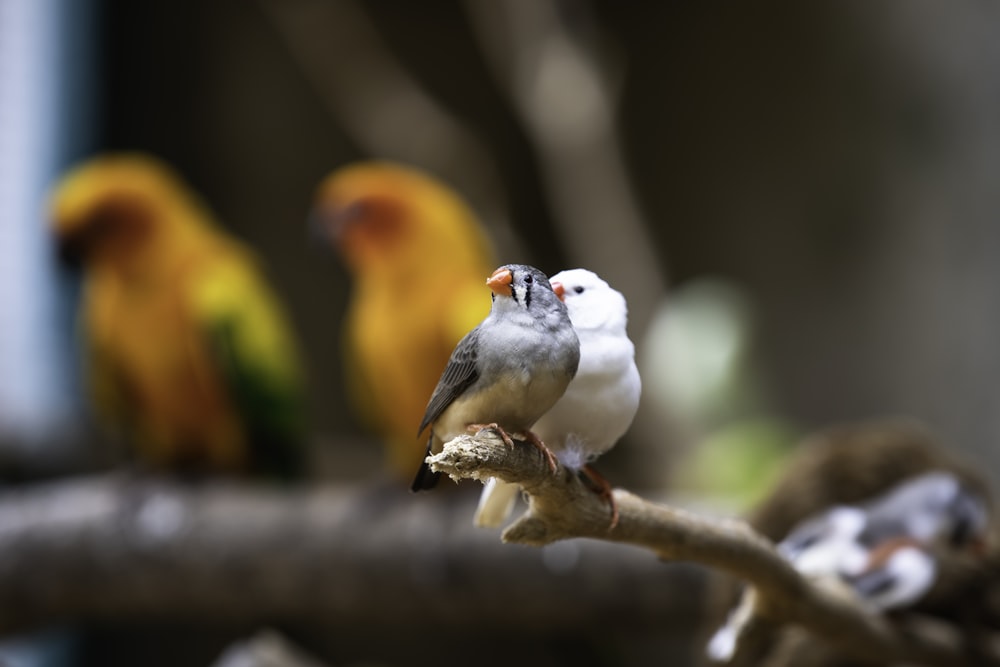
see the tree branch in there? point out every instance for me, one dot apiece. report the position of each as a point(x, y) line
point(267, 648)
point(561, 507)
point(360, 556)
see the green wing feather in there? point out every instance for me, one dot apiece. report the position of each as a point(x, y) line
point(253, 345)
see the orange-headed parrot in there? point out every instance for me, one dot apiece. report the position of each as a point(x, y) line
point(188, 353)
point(419, 260)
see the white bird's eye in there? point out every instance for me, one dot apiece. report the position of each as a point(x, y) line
point(578, 289)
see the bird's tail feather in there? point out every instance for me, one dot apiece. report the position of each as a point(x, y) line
point(426, 478)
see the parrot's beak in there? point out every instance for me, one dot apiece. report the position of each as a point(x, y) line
point(560, 291)
point(325, 226)
point(500, 282)
point(337, 224)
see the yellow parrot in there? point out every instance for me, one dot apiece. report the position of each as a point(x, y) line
point(419, 260)
point(188, 354)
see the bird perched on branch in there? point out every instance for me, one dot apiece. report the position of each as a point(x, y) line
point(417, 256)
point(601, 401)
point(886, 548)
point(509, 370)
point(188, 353)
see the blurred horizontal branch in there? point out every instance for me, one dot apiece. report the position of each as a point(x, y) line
point(266, 648)
point(126, 546)
point(562, 507)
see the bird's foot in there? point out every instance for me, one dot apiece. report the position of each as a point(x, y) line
point(546, 452)
point(494, 427)
point(530, 437)
point(602, 487)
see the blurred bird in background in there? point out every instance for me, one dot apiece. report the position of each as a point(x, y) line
point(886, 549)
point(188, 354)
point(849, 464)
point(871, 545)
point(601, 401)
point(875, 506)
point(418, 257)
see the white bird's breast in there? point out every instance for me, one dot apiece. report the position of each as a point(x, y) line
point(599, 404)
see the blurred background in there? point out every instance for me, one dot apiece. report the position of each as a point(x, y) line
point(799, 202)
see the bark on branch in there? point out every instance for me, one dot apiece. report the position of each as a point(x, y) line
point(561, 506)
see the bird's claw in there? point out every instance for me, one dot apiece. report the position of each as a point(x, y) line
point(602, 487)
point(550, 458)
point(494, 427)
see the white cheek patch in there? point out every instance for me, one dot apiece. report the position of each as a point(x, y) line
point(519, 294)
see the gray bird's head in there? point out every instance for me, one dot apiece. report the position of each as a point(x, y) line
point(519, 287)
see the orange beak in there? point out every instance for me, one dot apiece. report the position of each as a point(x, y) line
point(500, 282)
point(560, 291)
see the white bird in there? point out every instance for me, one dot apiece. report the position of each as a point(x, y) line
point(822, 545)
point(600, 402)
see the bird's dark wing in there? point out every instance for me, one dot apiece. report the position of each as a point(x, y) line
point(459, 375)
